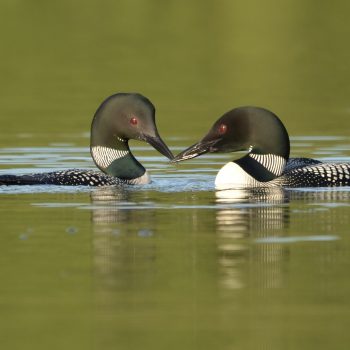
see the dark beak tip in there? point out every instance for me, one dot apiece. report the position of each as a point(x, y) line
point(166, 152)
point(170, 156)
point(158, 144)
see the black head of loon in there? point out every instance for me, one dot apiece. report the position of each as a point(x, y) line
point(119, 118)
point(264, 137)
point(254, 129)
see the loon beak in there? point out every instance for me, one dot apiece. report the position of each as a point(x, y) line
point(159, 145)
point(201, 147)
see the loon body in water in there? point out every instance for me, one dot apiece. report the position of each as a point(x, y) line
point(267, 163)
point(120, 117)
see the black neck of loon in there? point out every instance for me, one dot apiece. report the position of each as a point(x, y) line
point(116, 159)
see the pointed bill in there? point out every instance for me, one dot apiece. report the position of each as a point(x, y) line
point(195, 150)
point(157, 143)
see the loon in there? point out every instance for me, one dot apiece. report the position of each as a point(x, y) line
point(265, 139)
point(120, 117)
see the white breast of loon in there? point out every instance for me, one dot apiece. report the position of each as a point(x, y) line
point(231, 175)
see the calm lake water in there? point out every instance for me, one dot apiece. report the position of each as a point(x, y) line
point(173, 264)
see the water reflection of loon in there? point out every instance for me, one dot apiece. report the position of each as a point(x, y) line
point(119, 226)
point(245, 215)
point(253, 226)
point(244, 229)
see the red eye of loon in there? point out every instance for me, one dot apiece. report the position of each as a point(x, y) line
point(222, 129)
point(133, 121)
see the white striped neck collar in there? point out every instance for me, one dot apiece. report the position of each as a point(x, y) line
point(105, 156)
point(118, 162)
point(262, 167)
point(272, 162)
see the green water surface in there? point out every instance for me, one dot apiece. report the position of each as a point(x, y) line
point(173, 265)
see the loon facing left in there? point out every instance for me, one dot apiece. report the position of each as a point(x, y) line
point(119, 118)
point(264, 138)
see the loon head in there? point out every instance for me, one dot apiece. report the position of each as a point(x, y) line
point(254, 129)
point(119, 118)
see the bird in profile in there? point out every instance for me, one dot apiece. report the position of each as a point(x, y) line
point(266, 163)
point(121, 117)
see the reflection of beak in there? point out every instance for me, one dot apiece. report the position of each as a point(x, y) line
point(195, 150)
point(159, 145)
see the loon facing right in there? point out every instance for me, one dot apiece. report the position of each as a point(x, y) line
point(119, 118)
point(267, 163)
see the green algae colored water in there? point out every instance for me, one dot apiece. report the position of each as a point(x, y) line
point(174, 264)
